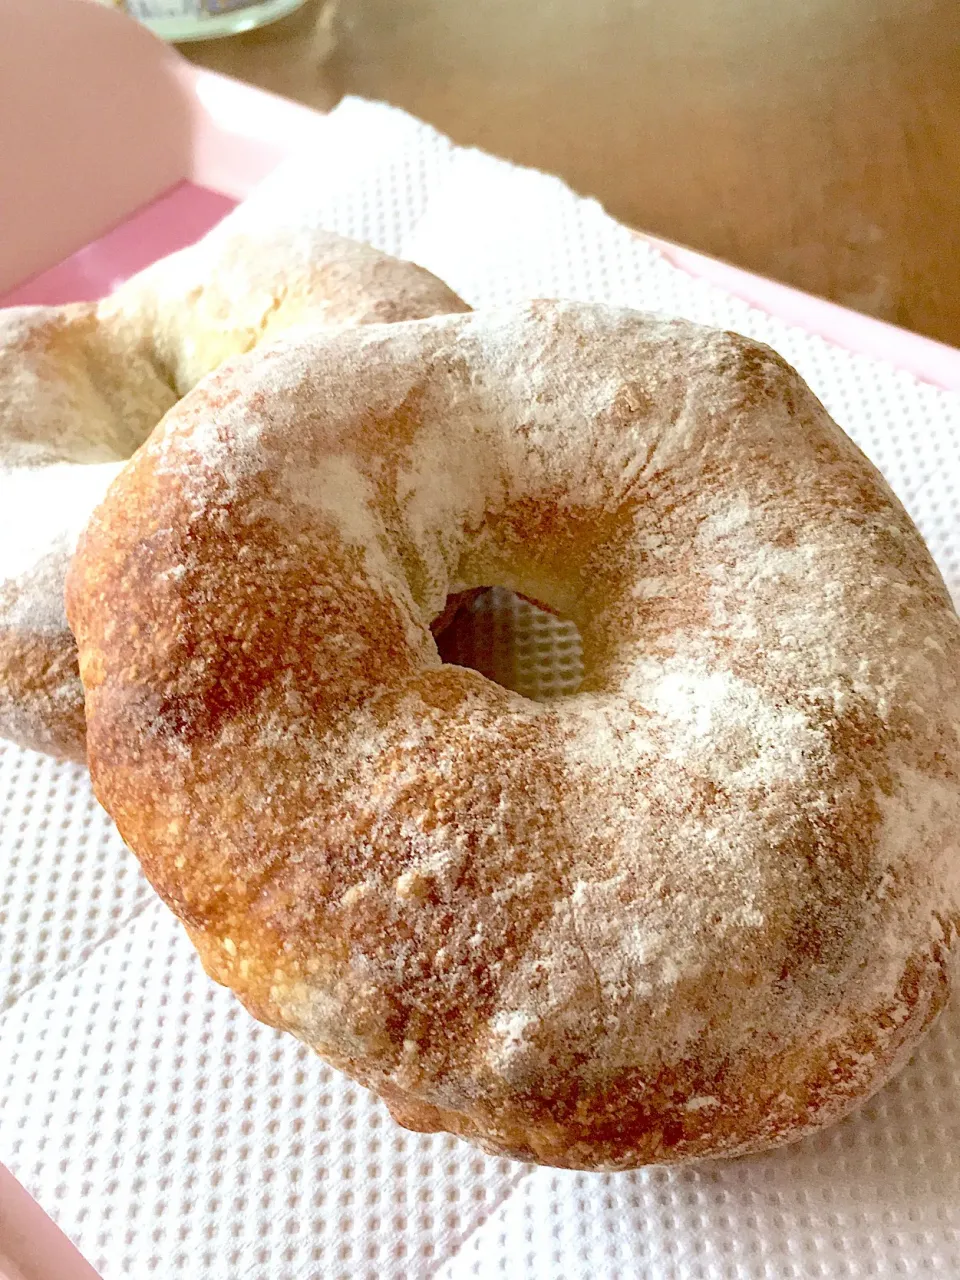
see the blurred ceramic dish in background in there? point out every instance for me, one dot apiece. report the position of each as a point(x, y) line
point(182, 20)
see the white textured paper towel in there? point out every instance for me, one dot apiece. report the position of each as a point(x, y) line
point(171, 1135)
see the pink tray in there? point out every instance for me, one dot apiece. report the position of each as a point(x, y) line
point(100, 121)
point(115, 152)
point(86, 203)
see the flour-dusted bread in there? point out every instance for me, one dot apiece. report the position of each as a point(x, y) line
point(703, 906)
point(82, 386)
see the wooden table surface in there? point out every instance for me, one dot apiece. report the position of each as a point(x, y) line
point(815, 141)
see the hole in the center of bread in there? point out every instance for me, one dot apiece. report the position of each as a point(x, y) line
point(512, 641)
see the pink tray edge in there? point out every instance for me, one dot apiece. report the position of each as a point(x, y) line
point(32, 1246)
point(240, 133)
point(924, 358)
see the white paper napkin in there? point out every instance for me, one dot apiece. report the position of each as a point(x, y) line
point(171, 1135)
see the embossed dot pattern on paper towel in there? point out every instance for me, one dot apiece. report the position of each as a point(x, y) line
point(171, 1135)
point(66, 879)
point(875, 1196)
point(174, 1135)
point(518, 645)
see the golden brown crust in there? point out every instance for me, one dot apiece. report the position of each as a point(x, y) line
point(82, 386)
point(41, 698)
point(704, 906)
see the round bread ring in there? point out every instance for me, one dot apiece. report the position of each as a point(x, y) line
point(703, 906)
point(81, 387)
